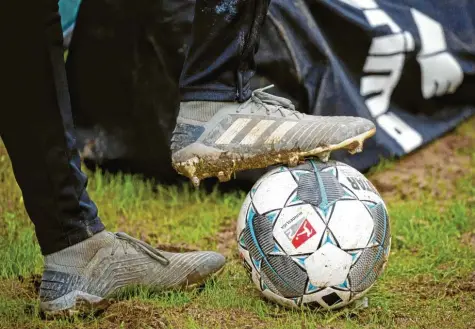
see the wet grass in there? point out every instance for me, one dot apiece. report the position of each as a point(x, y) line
point(429, 283)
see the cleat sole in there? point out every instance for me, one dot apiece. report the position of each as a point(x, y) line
point(324, 156)
point(222, 165)
point(86, 304)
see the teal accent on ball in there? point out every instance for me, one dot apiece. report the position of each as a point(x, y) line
point(257, 264)
point(344, 285)
point(242, 242)
point(311, 288)
point(277, 249)
point(329, 239)
point(301, 260)
point(354, 255)
point(272, 216)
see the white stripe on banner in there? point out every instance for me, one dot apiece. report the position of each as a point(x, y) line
point(256, 132)
point(232, 131)
point(280, 132)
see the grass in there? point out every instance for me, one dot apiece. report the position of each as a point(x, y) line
point(429, 283)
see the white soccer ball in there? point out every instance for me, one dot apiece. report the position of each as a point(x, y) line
point(317, 234)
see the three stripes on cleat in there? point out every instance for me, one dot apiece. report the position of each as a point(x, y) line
point(246, 131)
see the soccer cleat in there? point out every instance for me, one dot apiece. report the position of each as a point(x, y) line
point(216, 139)
point(83, 276)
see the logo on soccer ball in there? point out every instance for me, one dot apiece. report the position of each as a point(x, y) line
point(300, 232)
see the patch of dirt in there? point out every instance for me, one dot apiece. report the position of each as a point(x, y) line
point(425, 287)
point(137, 314)
point(31, 283)
point(227, 239)
point(469, 240)
point(431, 170)
point(218, 319)
point(460, 285)
point(133, 314)
point(21, 288)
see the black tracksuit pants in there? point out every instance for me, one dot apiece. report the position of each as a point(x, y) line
point(36, 123)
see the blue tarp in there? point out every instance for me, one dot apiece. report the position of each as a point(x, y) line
point(408, 65)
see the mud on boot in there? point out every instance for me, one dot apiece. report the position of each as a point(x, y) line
point(216, 139)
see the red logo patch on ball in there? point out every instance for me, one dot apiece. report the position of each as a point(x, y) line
point(304, 232)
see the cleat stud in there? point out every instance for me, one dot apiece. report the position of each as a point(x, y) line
point(195, 181)
point(324, 156)
point(293, 160)
point(356, 149)
point(224, 176)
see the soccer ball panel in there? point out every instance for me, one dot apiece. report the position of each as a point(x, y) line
point(287, 278)
point(279, 299)
point(328, 266)
point(263, 178)
point(319, 189)
point(382, 231)
point(331, 170)
point(328, 298)
point(274, 192)
point(244, 255)
point(255, 276)
point(294, 199)
point(299, 229)
point(357, 184)
point(247, 262)
point(310, 165)
point(366, 270)
point(241, 222)
point(352, 224)
point(299, 173)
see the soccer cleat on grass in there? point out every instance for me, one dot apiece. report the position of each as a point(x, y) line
point(220, 138)
point(83, 276)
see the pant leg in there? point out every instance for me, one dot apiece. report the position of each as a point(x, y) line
point(36, 126)
point(220, 61)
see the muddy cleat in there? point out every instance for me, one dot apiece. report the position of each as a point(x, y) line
point(216, 139)
point(83, 276)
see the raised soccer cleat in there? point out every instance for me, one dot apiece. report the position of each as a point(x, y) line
point(82, 277)
point(216, 139)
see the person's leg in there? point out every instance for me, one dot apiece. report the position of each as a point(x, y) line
point(36, 127)
point(220, 61)
point(82, 261)
point(223, 127)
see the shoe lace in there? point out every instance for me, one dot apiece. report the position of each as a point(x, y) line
point(273, 103)
point(124, 240)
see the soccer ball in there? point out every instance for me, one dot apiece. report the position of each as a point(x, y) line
point(317, 235)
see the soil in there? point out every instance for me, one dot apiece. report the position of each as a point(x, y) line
point(133, 314)
point(213, 319)
point(226, 239)
point(469, 239)
point(432, 169)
